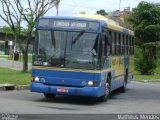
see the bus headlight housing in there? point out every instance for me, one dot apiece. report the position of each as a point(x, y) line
point(90, 83)
point(36, 79)
point(84, 83)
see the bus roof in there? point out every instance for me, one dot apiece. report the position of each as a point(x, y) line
point(88, 17)
point(110, 23)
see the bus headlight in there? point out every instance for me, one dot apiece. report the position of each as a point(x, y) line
point(90, 83)
point(36, 79)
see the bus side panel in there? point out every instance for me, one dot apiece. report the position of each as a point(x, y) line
point(113, 66)
point(131, 68)
point(118, 70)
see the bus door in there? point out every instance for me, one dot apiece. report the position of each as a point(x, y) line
point(105, 55)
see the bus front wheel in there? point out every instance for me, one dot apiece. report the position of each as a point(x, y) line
point(49, 95)
point(106, 95)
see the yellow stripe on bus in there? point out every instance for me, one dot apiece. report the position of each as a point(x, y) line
point(69, 69)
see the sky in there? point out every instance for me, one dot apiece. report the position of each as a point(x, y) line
point(70, 7)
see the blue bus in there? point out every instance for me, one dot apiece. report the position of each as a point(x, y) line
point(84, 55)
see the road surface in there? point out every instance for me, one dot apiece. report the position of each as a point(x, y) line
point(139, 98)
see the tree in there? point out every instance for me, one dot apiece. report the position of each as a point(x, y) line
point(146, 22)
point(102, 12)
point(125, 23)
point(31, 13)
point(12, 17)
point(57, 2)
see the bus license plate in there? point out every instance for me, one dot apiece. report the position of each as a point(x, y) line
point(62, 90)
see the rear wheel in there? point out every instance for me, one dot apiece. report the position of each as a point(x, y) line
point(49, 95)
point(123, 88)
point(106, 95)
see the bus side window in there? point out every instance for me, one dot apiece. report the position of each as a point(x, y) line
point(130, 45)
point(110, 39)
point(126, 45)
point(106, 43)
point(113, 44)
point(119, 43)
point(123, 44)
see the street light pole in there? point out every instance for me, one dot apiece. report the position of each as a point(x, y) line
point(119, 5)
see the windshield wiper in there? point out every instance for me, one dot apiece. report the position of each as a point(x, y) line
point(78, 36)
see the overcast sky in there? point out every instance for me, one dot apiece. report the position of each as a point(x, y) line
point(70, 7)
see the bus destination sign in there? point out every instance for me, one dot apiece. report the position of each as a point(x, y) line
point(68, 24)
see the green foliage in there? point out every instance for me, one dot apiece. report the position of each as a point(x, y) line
point(102, 12)
point(146, 59)
point(146, 21)
point(8, 30)
point(146, 25)
point(154, 77)
point(145, 65)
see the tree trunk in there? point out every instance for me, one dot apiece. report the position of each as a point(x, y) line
point(25, 56)
point(57, 11)
point(25, 61)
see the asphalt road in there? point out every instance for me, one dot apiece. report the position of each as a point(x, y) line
point(139, 98)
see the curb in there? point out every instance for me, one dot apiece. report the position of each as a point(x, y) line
point(148, 81)
point(19, 87)
point(6, 86)
point(22, 87)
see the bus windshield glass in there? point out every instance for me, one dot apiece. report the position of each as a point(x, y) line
point(66, 49)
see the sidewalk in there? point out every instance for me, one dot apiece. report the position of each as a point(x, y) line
point(16, 66)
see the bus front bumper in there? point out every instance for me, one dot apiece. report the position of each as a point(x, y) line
point(78, 91)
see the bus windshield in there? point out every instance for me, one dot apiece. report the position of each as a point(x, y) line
point(66, 49)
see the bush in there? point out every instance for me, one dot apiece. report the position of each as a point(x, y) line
point(145, 65)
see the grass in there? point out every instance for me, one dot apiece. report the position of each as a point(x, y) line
point(155, 77)
point(139, 77)
point(5, 57)
point(14, 77)
point(1, 53)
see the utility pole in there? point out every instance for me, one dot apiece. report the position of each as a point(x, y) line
point(119, 5)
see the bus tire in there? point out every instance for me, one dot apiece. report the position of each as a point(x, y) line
point(107, 93)
point(49, 95)
point(123, 88)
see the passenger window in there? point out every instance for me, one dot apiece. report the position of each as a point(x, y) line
point(127, 44)
point(119, 43)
